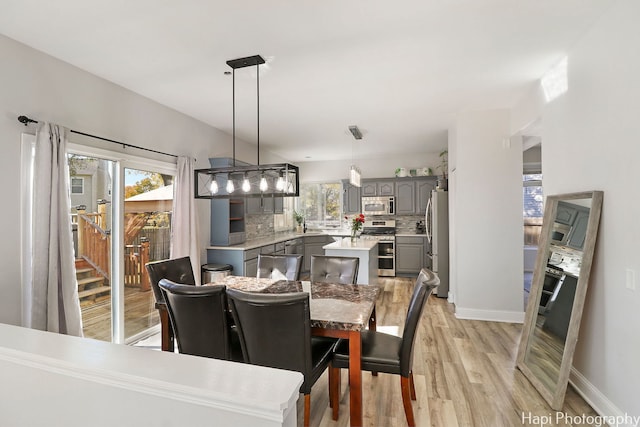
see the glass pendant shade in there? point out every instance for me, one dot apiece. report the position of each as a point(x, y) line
point(354, 176)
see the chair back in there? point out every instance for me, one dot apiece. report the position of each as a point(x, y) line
point(281, 267)
point(177, 270)
point(426, 282)
point(334, 269)
point(274, 329)
point(198, 318)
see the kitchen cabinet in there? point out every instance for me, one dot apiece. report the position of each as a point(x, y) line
point(227, 222)
point(410, 254)
point(405, 197)
point(264, 205)
point(424, 186)
point(350, 198)
point(313, 246)
point(378, 188)
point(566, 214)
point(579, 230)
point(412, 195)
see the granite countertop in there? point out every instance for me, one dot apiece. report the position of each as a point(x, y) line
point(347, 245)
point(333, 306)
point(405, 234)
point(269, 240)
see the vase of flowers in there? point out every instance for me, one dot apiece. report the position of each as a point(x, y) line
point(356, 226)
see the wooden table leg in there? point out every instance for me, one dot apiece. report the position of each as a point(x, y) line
point(166, 332)
point(355, 378)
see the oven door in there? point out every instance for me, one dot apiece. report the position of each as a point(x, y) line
point(386, 258)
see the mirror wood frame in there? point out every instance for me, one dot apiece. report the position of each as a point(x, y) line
point(555, 395)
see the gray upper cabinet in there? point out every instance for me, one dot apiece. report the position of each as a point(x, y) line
point(405, 197)
point(412, 195)
point(264, 205)
point(378, 188)
point(350, 198)
point(424, 186)
point(566, 214)
point(579, 230)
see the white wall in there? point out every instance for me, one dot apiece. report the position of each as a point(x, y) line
point(487, 212)
point(47, 89)
point(590, 142)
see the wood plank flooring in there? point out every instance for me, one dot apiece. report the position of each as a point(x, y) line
point(464, 374)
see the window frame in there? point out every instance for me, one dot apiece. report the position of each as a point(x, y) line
point(81, 193)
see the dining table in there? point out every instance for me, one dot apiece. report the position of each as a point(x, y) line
point(336, 310)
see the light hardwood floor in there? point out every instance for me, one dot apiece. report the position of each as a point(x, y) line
point(464, 374)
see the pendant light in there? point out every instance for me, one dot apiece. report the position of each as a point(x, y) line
point(281, 179)
point(354, 171)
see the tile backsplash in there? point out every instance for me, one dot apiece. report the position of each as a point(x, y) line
point(258, 225)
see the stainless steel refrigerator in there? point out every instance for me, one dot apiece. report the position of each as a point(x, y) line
point(437, 222)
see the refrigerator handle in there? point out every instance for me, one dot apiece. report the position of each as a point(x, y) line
point(428, 219)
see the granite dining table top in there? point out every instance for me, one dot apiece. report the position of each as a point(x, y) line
point(332, 305)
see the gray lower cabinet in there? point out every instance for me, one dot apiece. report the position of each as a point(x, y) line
point(251, 268)
point(313, 246)
point(410, 254)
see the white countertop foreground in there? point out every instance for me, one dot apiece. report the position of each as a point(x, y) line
point(73, 376)
point(347, 244)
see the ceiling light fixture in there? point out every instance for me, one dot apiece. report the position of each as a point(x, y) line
point(281, 179)
point(355, 132)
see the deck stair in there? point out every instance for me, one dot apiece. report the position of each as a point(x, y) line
point(92, 288)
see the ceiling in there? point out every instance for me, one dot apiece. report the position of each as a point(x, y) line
point(400, 71)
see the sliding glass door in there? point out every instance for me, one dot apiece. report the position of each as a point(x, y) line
point(121, 211)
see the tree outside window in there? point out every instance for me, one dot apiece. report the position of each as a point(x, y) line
point(320, 203)
point(533, 205)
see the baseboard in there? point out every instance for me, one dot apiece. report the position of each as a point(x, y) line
point(490, 315)
point(599, 402)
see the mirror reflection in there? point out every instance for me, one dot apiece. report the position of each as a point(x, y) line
point(559, 286)
point(562, 269)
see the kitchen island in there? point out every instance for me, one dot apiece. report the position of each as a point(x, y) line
point(365, 250)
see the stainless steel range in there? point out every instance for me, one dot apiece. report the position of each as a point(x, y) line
point(384, 231)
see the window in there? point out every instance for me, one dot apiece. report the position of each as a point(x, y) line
point(320, 203)
point(532, 201)
point(77, 185)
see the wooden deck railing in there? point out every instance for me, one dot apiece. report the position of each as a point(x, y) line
point(94, 246)
point(135, 273)
point(94, 243)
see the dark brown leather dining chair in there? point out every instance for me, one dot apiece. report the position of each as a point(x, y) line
point(275, 331)
point(177, 270)
point(282, 267)
point(199, 320)
point(334, 269)
point(388, 353)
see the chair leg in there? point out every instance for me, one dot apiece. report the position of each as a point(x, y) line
point(307, 409)
point(166, 331)
point(406, 400)
point(334, 391)
point(413, 386)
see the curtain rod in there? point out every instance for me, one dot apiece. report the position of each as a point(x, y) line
point(26, 120)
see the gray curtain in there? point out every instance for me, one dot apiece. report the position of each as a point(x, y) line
point(184, 221)
point(54, 288)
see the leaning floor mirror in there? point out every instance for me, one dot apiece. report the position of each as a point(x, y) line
point(558, 291)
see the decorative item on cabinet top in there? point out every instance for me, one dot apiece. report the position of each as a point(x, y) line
point(280, 179)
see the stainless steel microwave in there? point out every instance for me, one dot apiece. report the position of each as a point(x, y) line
point(379, 205)
point(560, 234)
